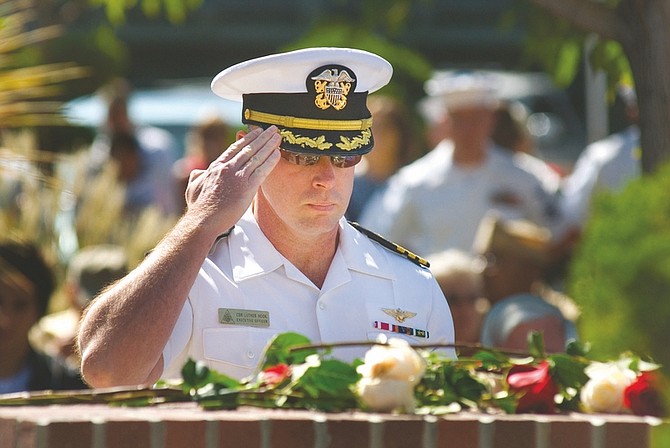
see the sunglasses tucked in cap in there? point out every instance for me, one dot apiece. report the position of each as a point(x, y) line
point(316, 97)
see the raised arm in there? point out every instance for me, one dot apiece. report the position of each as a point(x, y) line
point(125, 329)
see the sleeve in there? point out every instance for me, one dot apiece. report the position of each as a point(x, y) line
point(441, 323)
point(175, 352)
point(577, 189)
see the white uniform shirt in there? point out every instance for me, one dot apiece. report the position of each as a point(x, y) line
point(245, 272)
point(605, 165)
point(433, 205)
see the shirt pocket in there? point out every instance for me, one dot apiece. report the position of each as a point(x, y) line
point(235, 351)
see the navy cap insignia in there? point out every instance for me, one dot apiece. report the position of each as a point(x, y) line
point(332, 86)
point(398, 314)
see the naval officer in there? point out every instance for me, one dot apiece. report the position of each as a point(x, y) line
point(263, 247)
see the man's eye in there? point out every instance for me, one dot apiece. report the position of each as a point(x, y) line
point(311, 160)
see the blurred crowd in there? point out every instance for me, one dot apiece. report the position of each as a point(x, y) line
point(464, 189)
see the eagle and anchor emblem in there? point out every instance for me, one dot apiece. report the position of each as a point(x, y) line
point(398, 314)
point(332, 87)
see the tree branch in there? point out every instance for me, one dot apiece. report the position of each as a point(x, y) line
point(587, 15)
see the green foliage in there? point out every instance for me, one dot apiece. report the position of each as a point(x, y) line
point(445, 384)
point(175, 10)
point(489, 381)
point(28, 86)
point(620, 276)
point(326, 387)
point(559, 47)
point(310, 383)
point(318, 382)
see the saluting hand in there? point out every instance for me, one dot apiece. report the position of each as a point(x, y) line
point(226, 188)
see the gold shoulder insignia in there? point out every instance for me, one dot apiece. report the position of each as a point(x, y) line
point(414, 258)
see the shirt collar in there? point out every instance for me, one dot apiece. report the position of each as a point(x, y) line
point(252, 254)
point(361, 254)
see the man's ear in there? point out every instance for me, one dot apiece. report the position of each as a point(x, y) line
point(241, 133)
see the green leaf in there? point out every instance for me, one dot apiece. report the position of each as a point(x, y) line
point(331, 377)
point(578, 348)
point(228, 399)
point(491, 359)
point(197, 375)
point(278, 350)
point(506, 403)
point(536, 344)
point(328, 386)
point(447, 382)
point(568, 371)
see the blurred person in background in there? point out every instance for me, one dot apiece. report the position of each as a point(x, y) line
point(90, 270)
point(395, 147)
point(151, 178)
point(460, 277)
point(606, 165)
point(436, 202)
point(26, 285)
point(204, 143)
point(435, 118)
point(511, 133)
point(510, 130)
point(515, 254)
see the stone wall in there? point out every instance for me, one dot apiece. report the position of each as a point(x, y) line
point(186, 425)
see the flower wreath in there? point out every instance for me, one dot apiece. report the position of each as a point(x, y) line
point(395, 377)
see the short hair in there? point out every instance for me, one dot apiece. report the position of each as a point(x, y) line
point(26, 258)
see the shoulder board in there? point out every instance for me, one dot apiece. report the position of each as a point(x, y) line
point(220, 238)
point(225, 234)
point(391, 245)
point(216, 241)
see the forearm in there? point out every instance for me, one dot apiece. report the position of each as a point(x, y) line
point(124, 331)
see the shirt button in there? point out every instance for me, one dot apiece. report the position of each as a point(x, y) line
point(322, 306)
point(251, 355)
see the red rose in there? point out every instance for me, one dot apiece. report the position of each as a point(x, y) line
point(642, 396)
point(275, 374)
point(537, 387)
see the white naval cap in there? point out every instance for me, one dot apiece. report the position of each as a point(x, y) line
point(315, 96)
point(463, 89)
point(287, 72)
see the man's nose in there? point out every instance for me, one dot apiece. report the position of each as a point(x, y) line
point(324, 176)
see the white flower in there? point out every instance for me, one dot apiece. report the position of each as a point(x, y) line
point(386, 395)
point(605, 389)
point(389, 374)
point(298, 370)
point(397, 360)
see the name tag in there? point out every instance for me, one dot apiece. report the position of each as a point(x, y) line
point(246, 318)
